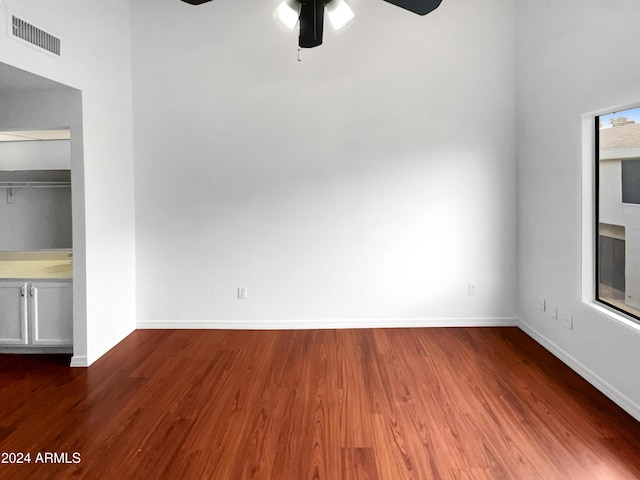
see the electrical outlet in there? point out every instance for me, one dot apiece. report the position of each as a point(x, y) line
point(567, 321)
point(473, 289)
point(542, 304)
point(552, 310)
point(242, 293)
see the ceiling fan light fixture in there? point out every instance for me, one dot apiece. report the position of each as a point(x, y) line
point(340, 14)
point(288, 13)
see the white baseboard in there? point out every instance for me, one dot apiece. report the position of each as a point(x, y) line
point(96, 353)
point(325, 324)
point(598, 382)
point(79, 361)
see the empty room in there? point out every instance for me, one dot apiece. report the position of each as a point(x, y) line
point(319, 239)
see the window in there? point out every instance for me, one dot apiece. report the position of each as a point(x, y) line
point(618, 210)
point(631, 181)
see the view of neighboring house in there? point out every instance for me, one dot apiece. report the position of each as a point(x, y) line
point(619, 212)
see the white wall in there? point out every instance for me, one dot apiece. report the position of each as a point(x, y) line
point(574, 57)
point(368, 184)
point(96, 60)
point(35, 155)
point(35, 219)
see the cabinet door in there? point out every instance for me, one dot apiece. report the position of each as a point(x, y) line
point(51, 312)
point(13, 313)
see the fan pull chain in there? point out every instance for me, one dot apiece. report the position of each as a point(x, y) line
point(299, 54)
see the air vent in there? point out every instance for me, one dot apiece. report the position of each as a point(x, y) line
point(34, 36)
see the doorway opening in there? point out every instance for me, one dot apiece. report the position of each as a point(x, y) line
point(40, 153)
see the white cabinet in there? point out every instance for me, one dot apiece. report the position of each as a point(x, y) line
point(13, 313)
point(36, 313)
point(50, 311)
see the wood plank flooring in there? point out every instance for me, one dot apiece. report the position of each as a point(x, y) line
point(389, 404)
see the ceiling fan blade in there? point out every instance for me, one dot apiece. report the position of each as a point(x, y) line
point(196, 2)
point(421, 7)
point(311, 23)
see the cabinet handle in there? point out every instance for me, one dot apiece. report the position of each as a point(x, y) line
point(22, 290)
point(32, 290)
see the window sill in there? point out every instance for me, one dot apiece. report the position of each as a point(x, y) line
point(613, 314)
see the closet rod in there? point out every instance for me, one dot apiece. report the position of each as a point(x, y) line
point(34, 184)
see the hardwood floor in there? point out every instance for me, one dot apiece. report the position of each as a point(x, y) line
point(463, 403)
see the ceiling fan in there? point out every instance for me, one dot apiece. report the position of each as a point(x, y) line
point(310, 15)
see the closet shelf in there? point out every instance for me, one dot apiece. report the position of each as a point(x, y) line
point(35, 179)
